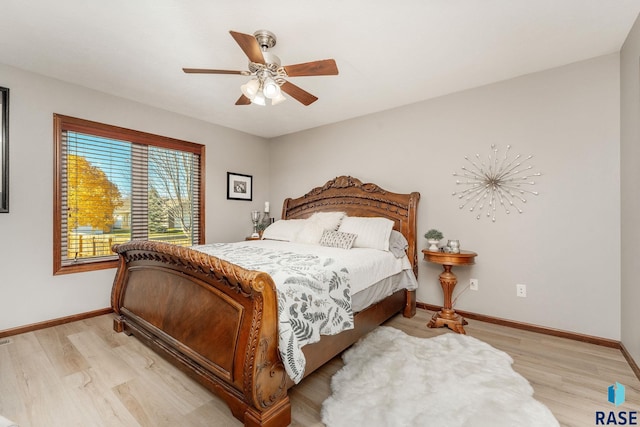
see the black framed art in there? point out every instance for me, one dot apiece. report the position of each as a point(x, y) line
point(4, 150)
point(239, 186)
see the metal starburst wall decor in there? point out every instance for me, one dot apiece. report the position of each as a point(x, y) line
point(500, 181)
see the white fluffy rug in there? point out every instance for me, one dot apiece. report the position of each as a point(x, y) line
point(393, 379)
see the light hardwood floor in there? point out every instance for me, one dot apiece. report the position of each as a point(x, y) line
point(84, 374)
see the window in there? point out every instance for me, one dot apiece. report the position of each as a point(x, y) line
point(112, 185)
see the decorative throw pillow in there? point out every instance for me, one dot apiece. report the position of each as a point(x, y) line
point(328, 220)
point(337, 239)
point(285, 229)
point(372, 232)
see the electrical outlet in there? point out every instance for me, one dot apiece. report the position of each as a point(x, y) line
point(473, 284)
point(521, 290)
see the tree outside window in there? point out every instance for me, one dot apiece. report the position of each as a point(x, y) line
point(114, 185)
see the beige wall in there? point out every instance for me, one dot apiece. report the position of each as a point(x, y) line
point(29, 293)
point(630, 171)
point(565, 246)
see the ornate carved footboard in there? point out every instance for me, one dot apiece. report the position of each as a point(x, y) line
point(218, 322)
point(214, 320)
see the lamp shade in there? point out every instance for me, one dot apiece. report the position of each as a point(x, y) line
point(258, 99)
point(250, 89)
point(270, 88)
point(278, 99)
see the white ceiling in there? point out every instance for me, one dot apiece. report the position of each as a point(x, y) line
point(389, 53)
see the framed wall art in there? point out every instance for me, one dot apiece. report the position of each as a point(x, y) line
point(239, 186)
point(4, 150)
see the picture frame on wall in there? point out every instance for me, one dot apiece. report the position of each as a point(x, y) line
point(239, 186)
point(4, 150)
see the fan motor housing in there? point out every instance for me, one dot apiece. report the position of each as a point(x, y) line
point(266, 39)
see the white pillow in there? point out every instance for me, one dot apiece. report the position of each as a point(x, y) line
point(328, 220)
point(311, 233)
point(373, 232)
point(398, 244)
point(285, 229)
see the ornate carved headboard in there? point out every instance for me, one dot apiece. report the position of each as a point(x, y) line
point(350, 195)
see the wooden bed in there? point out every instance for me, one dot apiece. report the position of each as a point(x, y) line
point(218, 322)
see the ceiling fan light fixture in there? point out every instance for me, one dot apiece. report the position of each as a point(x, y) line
point(259, 99)
point(251, 88)
point(244, 90)
point(278, 99)
point(268, 76)
point(270, 88)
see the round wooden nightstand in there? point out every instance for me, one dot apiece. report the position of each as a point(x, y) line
point(447, 316)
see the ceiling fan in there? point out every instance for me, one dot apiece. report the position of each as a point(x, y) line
point(269, 77)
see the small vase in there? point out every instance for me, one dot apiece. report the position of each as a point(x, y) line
point(433, 245)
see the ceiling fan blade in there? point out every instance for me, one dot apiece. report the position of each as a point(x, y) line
point(299, 94)
point(325, 67)
point(249, 46)
point(243, 100)
point(210, 71)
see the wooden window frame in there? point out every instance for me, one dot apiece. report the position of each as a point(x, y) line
point(63, 123)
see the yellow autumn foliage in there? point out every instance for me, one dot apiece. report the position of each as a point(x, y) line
point(91, 197)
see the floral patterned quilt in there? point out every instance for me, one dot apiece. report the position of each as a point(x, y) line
point(314, 295)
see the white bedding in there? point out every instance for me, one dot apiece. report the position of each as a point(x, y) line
point(315, 284)
point(366, 266)
point(382, 289)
